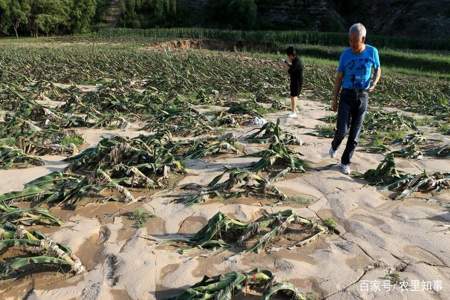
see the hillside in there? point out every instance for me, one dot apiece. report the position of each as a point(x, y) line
point(387, 17)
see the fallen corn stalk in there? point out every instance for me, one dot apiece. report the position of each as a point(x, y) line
point(11, 157)
point(37, 251)
point(55, 188)
point(237, 183)
point(402, 184)
point(144, 161)
point(270, 132)
point(256, 236)
point(423, 183)
point(326, 131)
point(209, 147)
point(384, 174)
point(278, 158)
point(237, 284)
point(26, 216)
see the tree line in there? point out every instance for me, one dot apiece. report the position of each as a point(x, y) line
point(35, 17)
point(235, 14)
point(44, 17)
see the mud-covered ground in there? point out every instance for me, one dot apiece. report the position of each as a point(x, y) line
point(378, 236)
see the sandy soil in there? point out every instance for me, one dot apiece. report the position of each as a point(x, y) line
point(378, 235)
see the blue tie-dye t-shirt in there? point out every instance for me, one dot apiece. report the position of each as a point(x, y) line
point(357, 67)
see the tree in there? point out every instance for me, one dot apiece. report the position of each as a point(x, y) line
point(144, 13)
point(49, 16)
point(82, 14)
point(19, 10)
point(236, 14)
point(244, 12)
point(4, 16)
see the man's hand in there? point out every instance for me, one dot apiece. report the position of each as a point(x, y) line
point(372, 88)
point(337, 88)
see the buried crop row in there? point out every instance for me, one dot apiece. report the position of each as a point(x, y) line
point(118, 166)
point(40, 120)
point(392, 132)
point(192, 71)
point(114, 170)
point(33, 127)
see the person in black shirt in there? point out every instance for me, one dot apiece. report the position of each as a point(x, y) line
point(296, 75)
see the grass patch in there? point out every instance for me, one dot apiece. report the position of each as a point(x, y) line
point(76, 140)
point(140, 217)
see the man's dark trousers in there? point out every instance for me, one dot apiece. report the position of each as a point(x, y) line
point(351, 112)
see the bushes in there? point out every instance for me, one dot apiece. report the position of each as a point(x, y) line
point(35, 17)
point(278, 37)
point(147, 13)
point(235, 14)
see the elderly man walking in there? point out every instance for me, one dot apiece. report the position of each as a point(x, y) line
point(354, 81)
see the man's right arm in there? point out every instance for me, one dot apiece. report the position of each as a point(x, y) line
point(337, 88)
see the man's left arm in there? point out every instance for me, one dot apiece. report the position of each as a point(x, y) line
point(376, 78)
point(377, 67)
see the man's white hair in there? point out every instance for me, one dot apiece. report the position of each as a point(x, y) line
point(359, 29)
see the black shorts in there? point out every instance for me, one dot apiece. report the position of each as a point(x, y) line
point(295, 89)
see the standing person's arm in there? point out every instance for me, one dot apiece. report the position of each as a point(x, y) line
point(337, 89)
point(338, 83)
point(377, 77)
point(293, 68)
point(377, 67)
point(294, 72)
point(301, 69)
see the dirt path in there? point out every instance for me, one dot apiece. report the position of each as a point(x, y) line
point(410, 238)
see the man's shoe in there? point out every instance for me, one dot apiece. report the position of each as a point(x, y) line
point(345, 169)
point(332, 152)
point(292, 115)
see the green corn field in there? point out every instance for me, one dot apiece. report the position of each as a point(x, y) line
point(123, 152)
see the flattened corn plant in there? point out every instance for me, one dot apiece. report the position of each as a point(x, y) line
point(442, 151)
point(384, 174)
point(178, 117)
point(32, 139)
point(270, 132)
point(141, 162)
point(55, 189)
point(278, 158)
point(51, 142)
point(119, 96)
point(12, 158)
point(381, 129)
point(418, 145)
point(247, 107)
point(79, 110)
point(236, 183)
point(411, 151)
point(411, 146)
point(112, 105)
point(67, 189)
point(115, 164)
point(422, 183)
point(41, 115)
point(27, 251)
point(326, 131)
point(212, 146)
point(380, 121)
point(237, 284)
point(403, 185)
point(259, 235)
point(26, 216)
